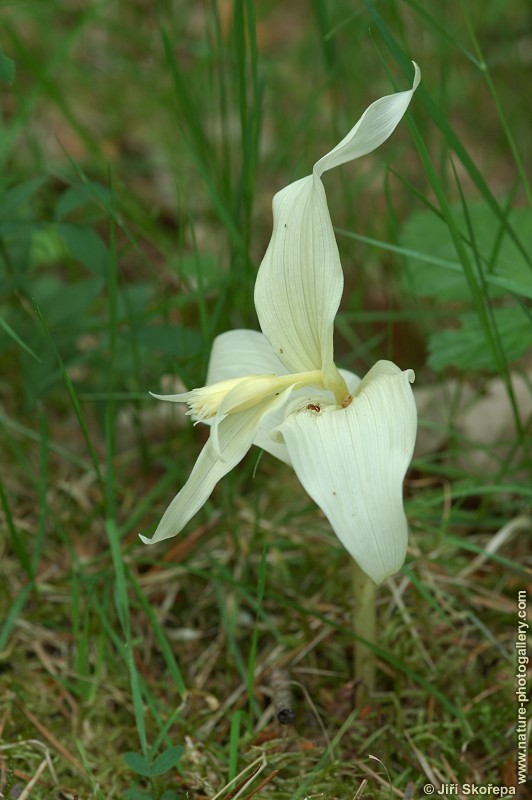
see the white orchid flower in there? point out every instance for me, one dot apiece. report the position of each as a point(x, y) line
point(349, 441)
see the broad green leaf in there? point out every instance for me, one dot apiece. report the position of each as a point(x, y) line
point(62, 303)
point(15, 197)
point(167, 760)
point(79, 196)
point(7, 68)
point(86, 246)
point(13, 335)
point(134, 299)
point(15, 256)
point(425, 233)
point(134, 793)
point(47, 247)
point(466, 349)
point(172, 340)
point(138, 763)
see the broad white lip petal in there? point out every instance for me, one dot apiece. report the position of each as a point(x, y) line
point(235, 435)
point(352, 463)
point(268, 437)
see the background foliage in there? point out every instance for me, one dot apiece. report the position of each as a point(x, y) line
point(140, 147)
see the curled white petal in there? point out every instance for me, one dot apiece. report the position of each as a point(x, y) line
point(239, 353)
point(352, 463)
point(352, 381)
point(376, 124)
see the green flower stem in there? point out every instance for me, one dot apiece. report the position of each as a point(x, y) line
point(364, 626)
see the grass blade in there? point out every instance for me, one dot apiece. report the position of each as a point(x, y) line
point(73, 398)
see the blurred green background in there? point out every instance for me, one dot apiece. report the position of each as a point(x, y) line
point(141, 144)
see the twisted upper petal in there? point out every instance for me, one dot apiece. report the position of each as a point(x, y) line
point(376, 124)
point(300, 280)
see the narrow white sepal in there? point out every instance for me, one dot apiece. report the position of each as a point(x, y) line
point(182, 397)
point(235, 434)
point(352, 463)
